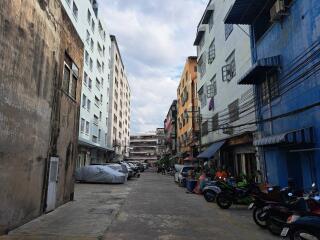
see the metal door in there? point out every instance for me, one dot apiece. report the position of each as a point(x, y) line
point(52, 184)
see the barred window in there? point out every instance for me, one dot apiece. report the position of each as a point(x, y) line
point(234, 111)
point(211, 52)
point(215, 122)
point(202, 65)
point(204, 128)
point(202, 96)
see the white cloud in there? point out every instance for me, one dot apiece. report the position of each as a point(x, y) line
point(155, 38)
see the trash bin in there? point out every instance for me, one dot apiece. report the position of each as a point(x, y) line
point(191, 184)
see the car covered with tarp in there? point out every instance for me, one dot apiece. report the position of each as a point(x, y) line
point(99, 174)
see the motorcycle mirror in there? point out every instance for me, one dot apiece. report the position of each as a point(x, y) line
point(290, 194)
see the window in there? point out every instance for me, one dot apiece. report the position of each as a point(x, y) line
point(87, 127)
point(99, 66)
point(91, 44)
point(96, 101)
point(204, 128)
point(89, 16)
point(95, 120)
point(99, 135)
point(202, 96)
point(101, 98)
point(100, 116)
point(97, 83)
point(88, 105)
point(94, 139)
point(211, 21)
point(93, 25)
point(85, 78)
point(102, 81)
point(211, 52)
point(90, 83)
point(75, 10)
point(215, 122)
point(229, 70)
point(228, 28)
point(115, 106)
point(70, 77)
point(88, 37)
point(86, 56)
point(105, 139)
point(234, 111)
point(82, 123)
point(115, 119)
point(202, 65)
point(212, 88)
point(84, 101)
point(91, 64)
point(202, 41)
point(269, 88)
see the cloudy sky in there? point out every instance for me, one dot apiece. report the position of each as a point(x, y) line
point(155, 38)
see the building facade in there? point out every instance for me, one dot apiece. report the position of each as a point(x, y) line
point(170, 130)
point(285, 37)
point(188, 112)
point(41, 78)
point(143, 148)
point(119, 107)
point(223, 56)
point(93, 128)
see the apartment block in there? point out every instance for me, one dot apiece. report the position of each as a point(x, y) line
point(93, 128)
point(119, 107)
point(224, 55)
point(188, 112)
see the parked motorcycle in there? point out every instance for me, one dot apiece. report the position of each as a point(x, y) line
point(274, 196)
point(236, 195)
point(277, 215)
point(212, 188)
point(302, 228)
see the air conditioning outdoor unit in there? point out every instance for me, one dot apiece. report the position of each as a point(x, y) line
point(277, 11)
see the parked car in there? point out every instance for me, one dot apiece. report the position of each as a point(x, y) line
point(183, 174)
point(120, 168)
point(145, 165)
point(99, 174)
point(130, 170)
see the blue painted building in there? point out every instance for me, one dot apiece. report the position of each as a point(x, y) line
point(285, 43)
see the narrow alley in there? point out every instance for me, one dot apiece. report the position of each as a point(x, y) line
point(152, 207)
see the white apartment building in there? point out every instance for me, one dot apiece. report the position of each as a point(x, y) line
point(119, 107)
point(223, 57)
point(93, 127)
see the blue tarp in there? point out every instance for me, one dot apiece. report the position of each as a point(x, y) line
point(210, 151)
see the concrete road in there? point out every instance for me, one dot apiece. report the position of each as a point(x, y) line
point(157, 208)
point(150, 208)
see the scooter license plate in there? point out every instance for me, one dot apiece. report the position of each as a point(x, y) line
point(284, 232)
point(251, 206)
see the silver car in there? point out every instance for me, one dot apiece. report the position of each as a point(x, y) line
point(99, 174)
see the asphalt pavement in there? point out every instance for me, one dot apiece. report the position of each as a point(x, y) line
point(150, 208)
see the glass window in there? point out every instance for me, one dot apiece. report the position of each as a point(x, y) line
point(84, 101)
point(228, 28)
point(82, 123)
point(88, 105)
point(87, 127)
point(75, 10)
point(211, 52)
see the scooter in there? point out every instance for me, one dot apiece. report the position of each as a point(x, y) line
point(213, 188)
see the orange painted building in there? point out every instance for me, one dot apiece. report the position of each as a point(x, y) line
point(187, 119)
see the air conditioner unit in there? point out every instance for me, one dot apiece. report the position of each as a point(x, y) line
point(277, 11)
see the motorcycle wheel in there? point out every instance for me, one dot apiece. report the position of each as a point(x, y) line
point(210, 196)
point(256, 217)
point(303, 235)
point(223, 201)
point(273, 228)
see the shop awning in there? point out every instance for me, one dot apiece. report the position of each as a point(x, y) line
point(209, 11)
point(210, 151)
point(259, 69)
point(245, 11)
point(200, 33)
point(301, 136)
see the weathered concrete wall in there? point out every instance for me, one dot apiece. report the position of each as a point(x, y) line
point(30, 73)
